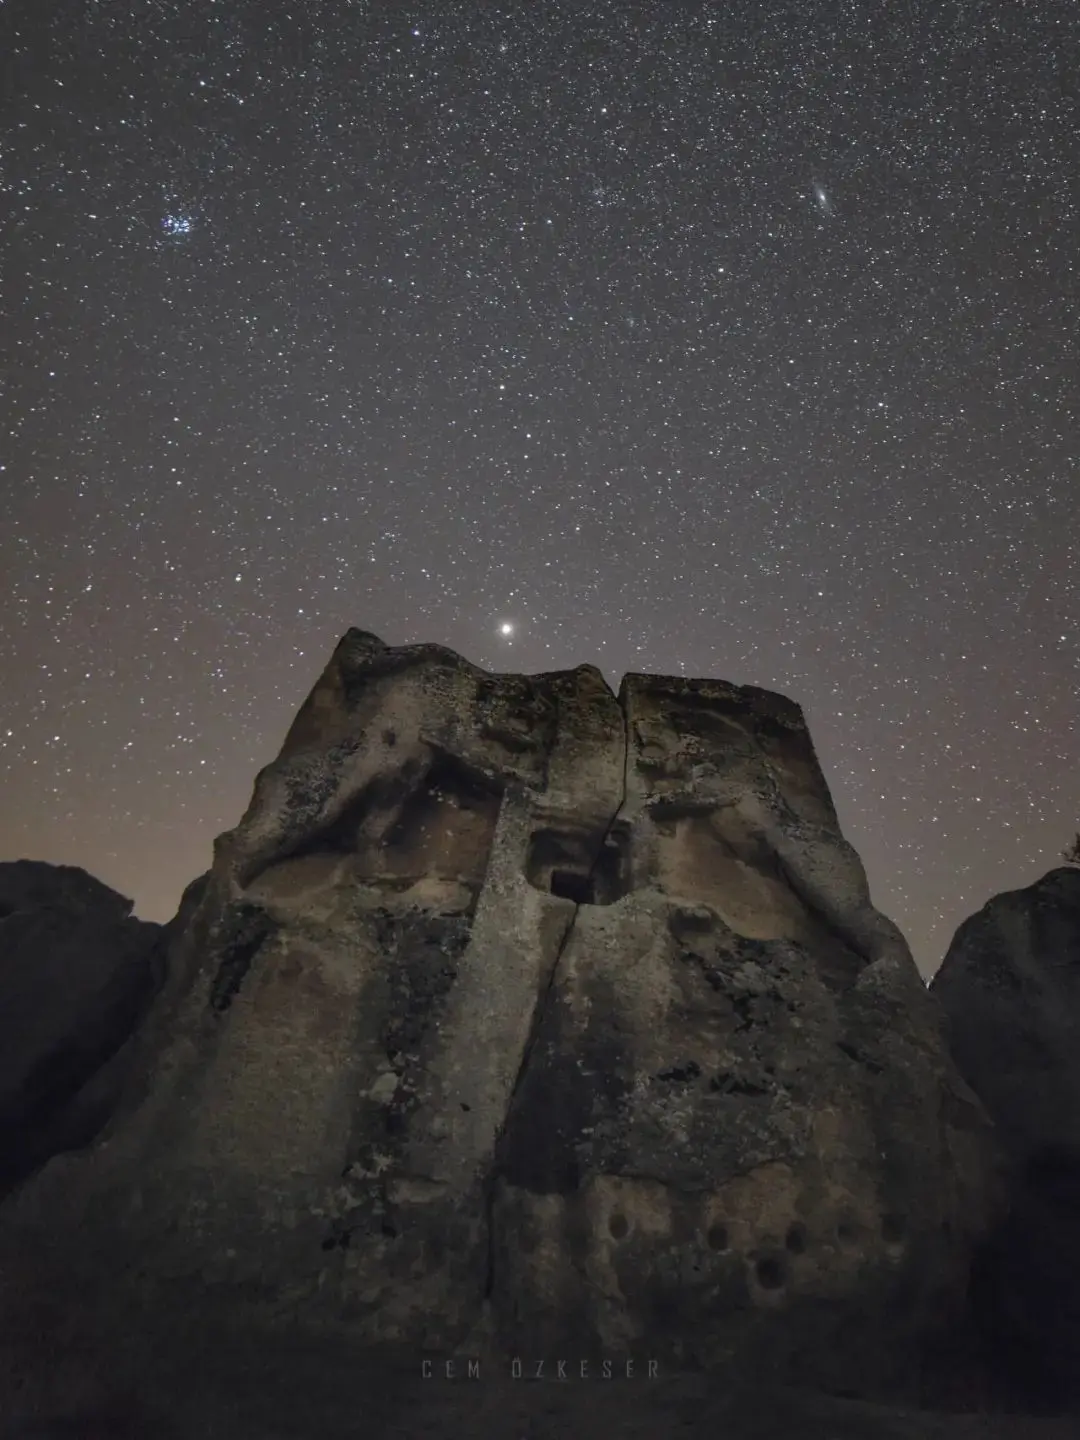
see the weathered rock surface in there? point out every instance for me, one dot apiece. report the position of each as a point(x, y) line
point(1010, 985)
point(76, 975)
point(518, 1016)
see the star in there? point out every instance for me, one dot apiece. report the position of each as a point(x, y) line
point(506, 628)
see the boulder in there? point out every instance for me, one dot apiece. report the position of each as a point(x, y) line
point(519, 1017)
point(76, 975)
point(1010, 986)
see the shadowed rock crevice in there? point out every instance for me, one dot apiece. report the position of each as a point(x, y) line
point(521, 1155)
point(246, 930)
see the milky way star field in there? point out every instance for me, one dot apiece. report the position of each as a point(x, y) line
point(731, 340)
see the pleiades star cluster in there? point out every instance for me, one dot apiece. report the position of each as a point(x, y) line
point(732, 340)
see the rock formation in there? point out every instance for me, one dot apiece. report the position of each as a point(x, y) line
point(518, 1016)
point(76, 976)
point(1010, 985)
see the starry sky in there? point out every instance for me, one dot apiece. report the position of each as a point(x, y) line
point(733, 340)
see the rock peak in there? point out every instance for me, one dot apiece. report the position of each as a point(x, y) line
point(514, 1011)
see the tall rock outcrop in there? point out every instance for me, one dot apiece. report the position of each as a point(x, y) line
point(518, 1015)
point(1010, 985)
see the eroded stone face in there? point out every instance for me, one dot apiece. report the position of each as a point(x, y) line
point(513, 1009)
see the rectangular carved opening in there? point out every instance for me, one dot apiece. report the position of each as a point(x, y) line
point(587, 869)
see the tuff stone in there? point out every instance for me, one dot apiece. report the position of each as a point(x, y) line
point(515, 1013)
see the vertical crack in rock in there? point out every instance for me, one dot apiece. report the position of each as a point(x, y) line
point(541, 1009)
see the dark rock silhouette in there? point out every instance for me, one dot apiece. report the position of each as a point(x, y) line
point(77, 973)
point(1010, 985)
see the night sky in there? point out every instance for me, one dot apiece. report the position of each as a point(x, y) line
point(733, 340)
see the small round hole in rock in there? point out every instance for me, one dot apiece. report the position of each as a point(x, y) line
point(618, 1226)
point(718, 1237)
point(795, 1240)
point(770, 1273)
point(846, 1232)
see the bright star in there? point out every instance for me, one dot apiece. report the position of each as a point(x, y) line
point(506, 628)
